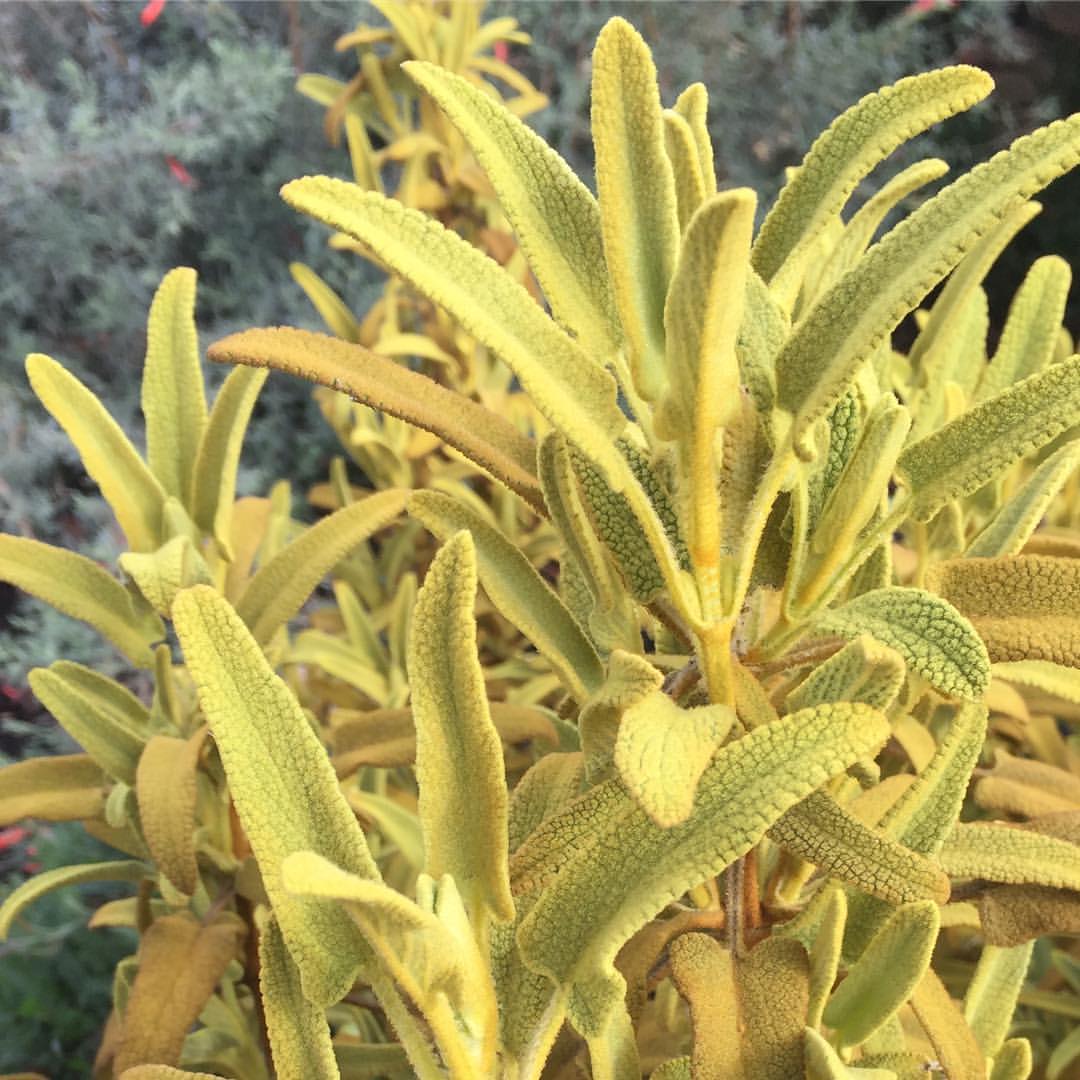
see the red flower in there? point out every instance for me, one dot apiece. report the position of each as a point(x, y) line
point(181, 174)
point(151, 11)
point(14, 834)
point(502, 51)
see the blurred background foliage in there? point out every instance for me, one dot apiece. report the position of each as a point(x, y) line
point(127, 149)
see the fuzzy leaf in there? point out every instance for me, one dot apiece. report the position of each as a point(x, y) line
point(173, 400)
point(40, 884)
point(634, 867)
point(214, 482)
point(702, 971)
point(971, 450)
point(957, 1051)
point(681, 150)
point(935, 639)
point(165, 1072)
point(863, 670)
point(459, 761)
point(824, 1063)
point(991, 997)
point(693, 106)
point(280, 587)
point(282, 783)
point(339, 320)
point(825, 951)
point(1010, 856)
point(79, 587)
point(1055, 679)
point(636, 187)
point(484, 437)
point(160, 575)
point(553, 214)
point(517, 590)
point(1014, 1061)
point(853, 145)
point(298, 1031)
point(772, 984)
point(1014, 914)
point(573, 391)
point(902, 947)
point(130, 488)
point(67, 787)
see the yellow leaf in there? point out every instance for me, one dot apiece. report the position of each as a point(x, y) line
point(1014, 914)
point(161, 574)
point(957, 1051)
point(693, 106)
point(68, 787)
point(334, 311)
point(773, 989)
point(1011, 856)
point(702, 971)
point(991, 997)
point(682, 152)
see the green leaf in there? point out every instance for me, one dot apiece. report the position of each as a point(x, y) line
point(130, 488)
point(173, 400)
point(636, 188)
point(634, 867)
point(1055, 679)
point(992, 994)
point(40, 884)
point(934, 639)
point(214, 483)
point(957, 1051)
point(824, 1063)
point(1012, 856)
point(1014, 1061)
point(571, 389)
point(848, 324)
point(370, 1061)
point(825, 952)
point(105, 718)
point(459, 760)
point(886, 974)
point(67, 787)
point(971, 450)
point(517, 590)
point(849, 149)
point(395, 823)
point(298, 1032)
point(280, 587)
point(282, 784)
point(333, 310)
point(553, 214)
point(484, 437)
point(863, 670)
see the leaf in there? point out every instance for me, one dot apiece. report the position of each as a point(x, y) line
point(79, 587)
point(863, 670)
point(1014, 914)
point(632, 867)
point(484, 437)
point(971, 450)
point(824, 1063)
point(165, 785)
point(1014, 522)
point(173, 400)
point(553, 214)
point(1014, 1062)
point(517, 590)
point(693, 106)
point(280, 587)
point(682, 153)
point(298, 1032)
point(573, 391)
point(702, 972)
point(662, 750)
point(1026, 788)
point(165, 1072)
point(1011, 856)
point(459, 760)
point(825, 951)
point(106, 719)
point(333, 310)
point(129, 487)
point(372, 1060)
point(773, 990)
point(1054, 679)
point(902, 947)
point(849, 323)
point(67, 787)
point(396, 823)
point(992, 994)
point(282, 784)
point(850, 148)
point(181, 962)
point(934, 638)
point(40, 884)
point(161, 574)
point(957, 1051)
point(214, 481)
point(636, 189)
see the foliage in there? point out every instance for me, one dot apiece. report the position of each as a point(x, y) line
point(696, 809)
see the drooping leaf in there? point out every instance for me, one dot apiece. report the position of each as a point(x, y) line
point(824, 1063)
point(79, 587)
point(1055, 679)
point(486, 438)
point(282, 784)
point(130, 488)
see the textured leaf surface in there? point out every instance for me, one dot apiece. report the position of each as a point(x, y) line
point(863, 670)
point(1055, 679)
point(173, 400)
point(160, 575)
point(702, 971)
point(79, 587)
point(1011, 856)
point(991, 997)
point(934, 639)
point(1014, 914)
point(943, 1022)
point(824, 1063)
point(482, 436)
point(332, 309)
point(773, 987)
point(67, 787)
point(282, 783)
point(459, 760)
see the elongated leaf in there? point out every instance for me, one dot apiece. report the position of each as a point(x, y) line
point(971, 450)
point(181, 962)
point(934, 639)
point(370, 1061)
point(130, 488)
point(863, 670)
point(902, 947)
point(67, 787)
point(636, 187)
point(772, 983)
point(681, 149)
point(173, 400)
point(825, 952)
point(702, 971)
point(484, 437)
point(459, 766)
point(298, 1031)
point(165, 1072)
point(1014, 914)
point(853, 144)
point(282, 784)
point(280, 587)
point(991, 997)
point(1055, 679)
point(214, 482)
point(693, 106)
point(78, 587)
point(333, 310)
point(847, 325)
point(1011, 856)
point(554, 215)
point(1011, 527)
point(600, 899)
point(96, 712)
point(824, 1063)
point(161, 574)
point(517, 590)
point(957, 1051)
point(1014, 1061)
point(567, 386)
point(40, 884)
